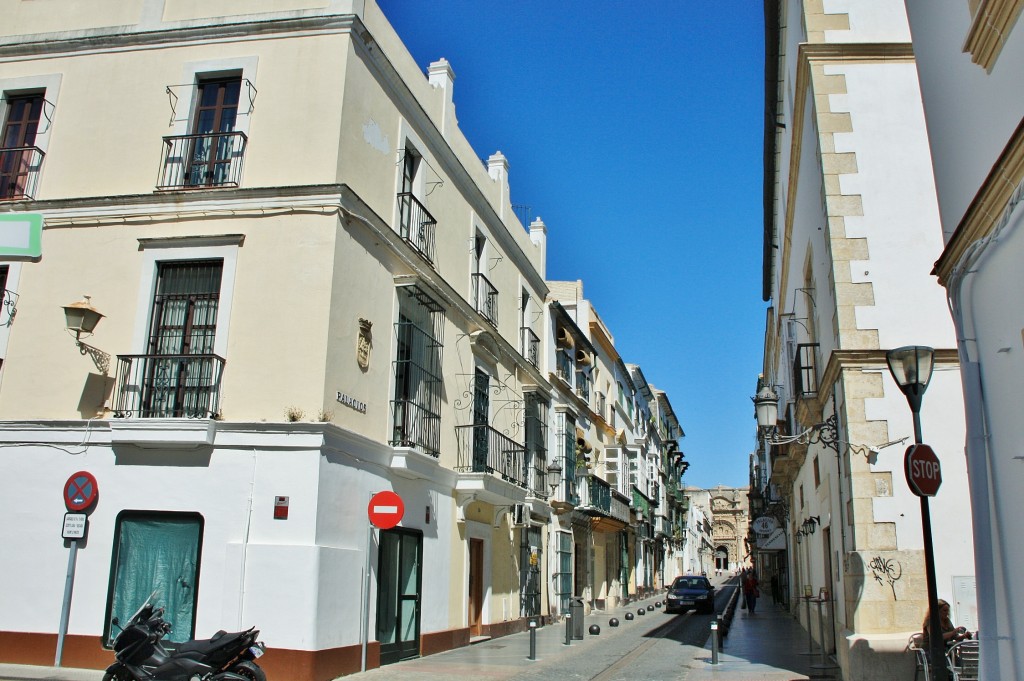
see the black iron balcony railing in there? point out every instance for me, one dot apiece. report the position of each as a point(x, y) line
point(805, 370)
point(563, 366)
point(482, 449)
point(583, 386)
point(204, 160)
point(538, 484)
point(168, 386)
point(531, 346)
point(596, 496)
point(485, 298)
point(416, 426)
point(19, 172)
point(416, 225)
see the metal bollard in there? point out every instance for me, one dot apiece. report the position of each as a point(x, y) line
point(568, 628)
point(533, 639)
point(722, 631)
point(714, 642)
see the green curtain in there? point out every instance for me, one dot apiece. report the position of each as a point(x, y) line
point(158, 554)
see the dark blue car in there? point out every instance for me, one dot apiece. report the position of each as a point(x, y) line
point(691, 591)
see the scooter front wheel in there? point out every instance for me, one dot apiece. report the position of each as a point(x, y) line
point(121, 674)
point(249, 670)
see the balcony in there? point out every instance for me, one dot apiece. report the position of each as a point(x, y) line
point(168, 386)
point(19, 172)
point(595, 496)
point(482, 449)
point(202, 161)
point(485, 298)
point(531, 346)
point(563, 366)
point(416, 226)
point(416, 426)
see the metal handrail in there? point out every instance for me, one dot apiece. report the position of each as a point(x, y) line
point(531, 346)
point(416, 225)
point(202, 160)
point(485, 298)
point(168, 386)
point(482, 449)
point(19, 172)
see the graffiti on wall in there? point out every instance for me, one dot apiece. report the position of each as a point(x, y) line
point(886, 570)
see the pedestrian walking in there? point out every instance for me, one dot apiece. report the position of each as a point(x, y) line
point(750, 591)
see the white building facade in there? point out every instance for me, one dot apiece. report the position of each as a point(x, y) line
point(850, 217)
point(312, 291)
point(969, 57)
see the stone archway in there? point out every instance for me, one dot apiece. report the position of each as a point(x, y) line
point(721, 559)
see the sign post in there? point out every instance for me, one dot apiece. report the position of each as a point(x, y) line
point(80, 494)
point(384, 511)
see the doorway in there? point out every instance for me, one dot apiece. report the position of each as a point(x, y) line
point(400, 580)
point(476, 587)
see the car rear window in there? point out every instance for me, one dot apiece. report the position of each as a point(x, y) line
point(691, 583)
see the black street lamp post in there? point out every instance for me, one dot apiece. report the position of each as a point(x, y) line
point(911, 367)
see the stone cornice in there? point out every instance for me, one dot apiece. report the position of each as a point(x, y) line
point(121, 38)
point(986, 211)
point(839, 361)
point(990, 26)
point(176, 206)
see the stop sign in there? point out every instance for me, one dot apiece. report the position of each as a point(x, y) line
point(385, 510)
point(924, 475)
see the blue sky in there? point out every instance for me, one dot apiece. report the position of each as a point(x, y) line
point(635, 131)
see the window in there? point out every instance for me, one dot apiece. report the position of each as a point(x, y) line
point(567, 444)
point(211, 156)
point(416, 407)
point(156, 551)
point(485, 295)
point(20, 159)
point(415, 224)
point(530, 347)
point(817, 475)
point(179, 375)
point(8, 299)
point(536, 428)
point(481, 419)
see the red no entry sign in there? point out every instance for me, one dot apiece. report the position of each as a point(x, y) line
point(924, 474)
point(80, 491)
point(385, 510)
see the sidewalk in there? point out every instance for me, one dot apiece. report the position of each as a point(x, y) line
point(768, 646)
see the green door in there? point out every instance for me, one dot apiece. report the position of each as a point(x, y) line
point(400, 576)
point(156, 552)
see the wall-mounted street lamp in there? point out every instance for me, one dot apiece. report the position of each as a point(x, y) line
point(554, 475)
point(809, 524)
point(81, 319)
point(766, 410)
point(911, 367)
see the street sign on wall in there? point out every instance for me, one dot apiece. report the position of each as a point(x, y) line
point(385, 510)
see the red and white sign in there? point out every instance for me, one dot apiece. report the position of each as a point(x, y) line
point(386, 510)
point(924, 474)
point(80, 491)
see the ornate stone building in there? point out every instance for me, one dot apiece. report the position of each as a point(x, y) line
point(730, 512)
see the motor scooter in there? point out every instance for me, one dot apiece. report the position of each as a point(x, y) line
point(142, 656)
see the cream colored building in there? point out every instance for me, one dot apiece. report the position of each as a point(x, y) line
point(851, 228)
point(613, 528)
point(312, 291)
